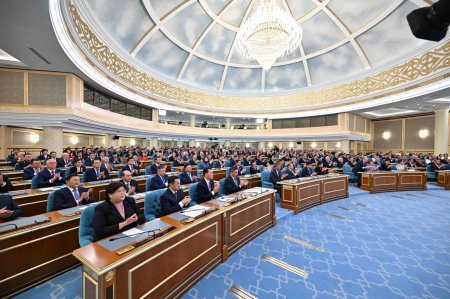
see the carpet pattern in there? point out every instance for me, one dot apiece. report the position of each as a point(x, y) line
point(385, 245)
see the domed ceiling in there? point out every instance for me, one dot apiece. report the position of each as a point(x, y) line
point(191, 43)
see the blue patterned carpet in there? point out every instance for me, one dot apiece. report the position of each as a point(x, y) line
point(388, 245)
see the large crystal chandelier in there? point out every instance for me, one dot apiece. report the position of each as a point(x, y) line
point(268, 34)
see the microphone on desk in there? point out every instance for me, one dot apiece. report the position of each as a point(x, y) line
point(137, 234)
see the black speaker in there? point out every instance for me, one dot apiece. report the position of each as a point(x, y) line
point(115, 137)
point(210, 138)
point(299, 142)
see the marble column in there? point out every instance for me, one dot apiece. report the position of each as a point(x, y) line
point(441, 131)
point(54, 140)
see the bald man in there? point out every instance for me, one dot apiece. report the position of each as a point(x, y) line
point(50, 176)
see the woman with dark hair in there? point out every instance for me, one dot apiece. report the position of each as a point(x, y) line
point(320, 170)
point(254, 169)
point(117, 213)
point(44, 155)
point(77, 167)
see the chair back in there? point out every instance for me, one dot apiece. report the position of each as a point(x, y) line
point(222, 187)
point(147, 183)
point(51, 202)
point(68, 171)
point(193, 192)
point(228, 169)
point(83, 177)
point(119, 174)
point(247, 169)
point(152, 205)
point(430, 174)
point(86, 233)
point(265, 183)
point(148, 170)
point(34, 184)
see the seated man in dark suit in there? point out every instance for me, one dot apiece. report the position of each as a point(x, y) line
point(173, 199)
point(64, 161)
point(97, 173)
point(360, 167)
point(131, 167)
point(233, 183)
point(187, 177)
point(436, 165)
point(386, 166)
point(159, 181)
point(241, 169)
point(131, 185)
point(291, 173)
point(115, 159)
point(105, 164)
point(13, 158)
point(307, 170)
point(90, 160)
point(78, 167)
point(5, 184)
point(9, 210)
point(21, 165)
point(50, 176)
point(73, 195)
point(276, 176)
point(44, 155)
point(206, 188)
point(117, 213)
point(154, 166)
point(32, 170)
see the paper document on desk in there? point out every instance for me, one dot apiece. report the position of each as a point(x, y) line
point(134, 232)
point(46, 189)
point(196, 211)
point(227, 198)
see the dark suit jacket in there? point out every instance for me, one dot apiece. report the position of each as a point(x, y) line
point(21, 165)
point(358, 167)
point(254, 170)
point(274, 178)
point(290, 175)
point(229, 185)
point(8, 202)
point(107, 218)
point(44, 177)
point(203, 193)
point(118, 161)
point(185, 179)
point(157, 183)
point(74, 169)
point(60, 163)
point(170, 201)
point(133, 183)
point(91, 175)
point(153, 169)
point(28, 173)
point(127, 167)
point(434, 167)
point(64, 198)
point(88, 162)
point(306, 172)
point(8, 186)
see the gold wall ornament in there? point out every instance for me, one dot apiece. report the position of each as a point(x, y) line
point(417, 68)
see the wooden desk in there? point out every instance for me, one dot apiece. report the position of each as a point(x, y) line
point(302, 194)
point(145, 163)
point(219, 173)
point(168, 266)
point(335, 170)
point(4, 164)
point(444, 179)
point(181, 168)
point(21, 185)
point(13, 174)
point(393, 181)
point(254, 180)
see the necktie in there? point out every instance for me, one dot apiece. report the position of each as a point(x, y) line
point(52, 172)
point(96, 171)
point(76, 195)
point(128, 187)
point(163, 180)
point(190, 177)
point(209, 187)
point(235, 181)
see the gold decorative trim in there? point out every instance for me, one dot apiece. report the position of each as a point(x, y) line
point(419, 67)
point(308, 197)
point(95, 283)
point(304, 243)
point(285, 266)
point(384, 176)
point(409, 176)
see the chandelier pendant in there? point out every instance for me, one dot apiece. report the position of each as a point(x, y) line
point(268, 34)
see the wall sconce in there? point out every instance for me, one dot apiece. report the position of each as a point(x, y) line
point(424, 133)
point(74, 140)
point(386, 135)
point(162, 112)
point(338, 144)
point(291, 144)
point(197, 144)
point(132, 142)
point(270, 144)
point(247, 145)
point(313, 145)
point(34, 138)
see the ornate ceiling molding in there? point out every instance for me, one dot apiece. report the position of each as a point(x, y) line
point(419, 69)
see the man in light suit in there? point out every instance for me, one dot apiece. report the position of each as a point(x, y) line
point(97, 173)
point(73, 195)
point(131, 185)
point(206, 188)
point(233, 183)
point(105, 164)
point(187, 177)
point(173, 199)
point(50, 176)
point(160, 180)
